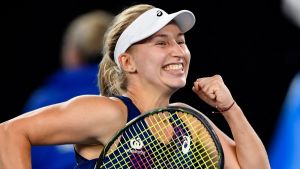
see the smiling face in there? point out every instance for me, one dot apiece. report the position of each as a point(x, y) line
point(162, 60)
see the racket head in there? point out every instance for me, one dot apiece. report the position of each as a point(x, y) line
point(169, 137)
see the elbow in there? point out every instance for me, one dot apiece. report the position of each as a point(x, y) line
point(4, 140)
point(11, 132)
point(3, 133)
point(15, 146)
point(256, 162)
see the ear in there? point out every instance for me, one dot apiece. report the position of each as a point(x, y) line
point(127, 63)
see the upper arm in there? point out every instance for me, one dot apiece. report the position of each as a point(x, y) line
point(84, 119)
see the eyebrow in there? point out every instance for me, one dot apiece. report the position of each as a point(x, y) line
point(165, 35)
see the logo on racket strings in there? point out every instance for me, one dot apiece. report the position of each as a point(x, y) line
point(136, 146)
point(186, 144)
point(136, 143)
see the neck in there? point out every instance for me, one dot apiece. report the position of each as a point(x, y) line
point(146, 101)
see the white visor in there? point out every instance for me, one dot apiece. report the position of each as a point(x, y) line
point(149, 23)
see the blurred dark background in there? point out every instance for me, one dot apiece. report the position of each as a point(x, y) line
point(250, 43)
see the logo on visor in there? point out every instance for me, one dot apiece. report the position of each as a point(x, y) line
point(159, 13)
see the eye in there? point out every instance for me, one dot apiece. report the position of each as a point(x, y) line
point(161, 43)
point(181, 42)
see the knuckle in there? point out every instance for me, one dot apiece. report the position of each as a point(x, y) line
point(217, 76)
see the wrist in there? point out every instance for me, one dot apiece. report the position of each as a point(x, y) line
point(225, 109)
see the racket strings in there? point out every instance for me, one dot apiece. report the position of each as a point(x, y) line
point(167, 149)
point(203, 141)
point(156, 154)
point(145, 131)
point(157, 129)
point(207, 145)
point(170, 151)
point(161, 152)
point(209, 157)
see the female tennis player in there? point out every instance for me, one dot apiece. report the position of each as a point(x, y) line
point(145, 61)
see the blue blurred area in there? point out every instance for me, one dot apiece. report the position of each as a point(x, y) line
point(61, 86)
point(284, 151)
point(53, 157)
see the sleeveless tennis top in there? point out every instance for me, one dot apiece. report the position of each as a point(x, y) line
point(132, 110)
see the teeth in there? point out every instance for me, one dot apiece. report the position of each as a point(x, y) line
point(174, 67)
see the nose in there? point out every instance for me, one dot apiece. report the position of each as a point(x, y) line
point(177, 50)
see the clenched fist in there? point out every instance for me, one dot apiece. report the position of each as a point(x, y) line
point(214, 92)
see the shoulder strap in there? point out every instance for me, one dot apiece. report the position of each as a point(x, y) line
point(132, 110)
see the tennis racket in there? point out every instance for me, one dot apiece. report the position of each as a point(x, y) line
point(170, 137)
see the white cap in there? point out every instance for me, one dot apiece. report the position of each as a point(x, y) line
point(149, 23)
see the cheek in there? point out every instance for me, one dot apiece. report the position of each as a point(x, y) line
point(188, 58)
point(188, 53)
point(154, 61)
point(149, 65)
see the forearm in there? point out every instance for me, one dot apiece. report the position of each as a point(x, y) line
point(250, 150)
point(15, 149)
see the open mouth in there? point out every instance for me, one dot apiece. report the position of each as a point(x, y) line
point(173, 67)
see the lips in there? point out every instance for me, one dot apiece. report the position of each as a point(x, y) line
point(173, 67)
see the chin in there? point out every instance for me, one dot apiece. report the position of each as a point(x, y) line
point(178, 85)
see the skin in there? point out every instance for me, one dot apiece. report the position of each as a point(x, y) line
point(84, 120)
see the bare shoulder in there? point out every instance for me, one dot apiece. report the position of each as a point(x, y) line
point(95, 104)
point(96, 110)
point(96, 113)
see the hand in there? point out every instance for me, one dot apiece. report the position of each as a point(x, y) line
point(214, 92)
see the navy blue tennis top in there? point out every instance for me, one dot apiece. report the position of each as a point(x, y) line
point(133, 111)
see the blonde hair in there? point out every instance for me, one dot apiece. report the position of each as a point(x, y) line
point(86, 33)
point(111, 79)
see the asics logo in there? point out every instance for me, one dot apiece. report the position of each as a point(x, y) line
point(159, 13)
point(186, 144)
